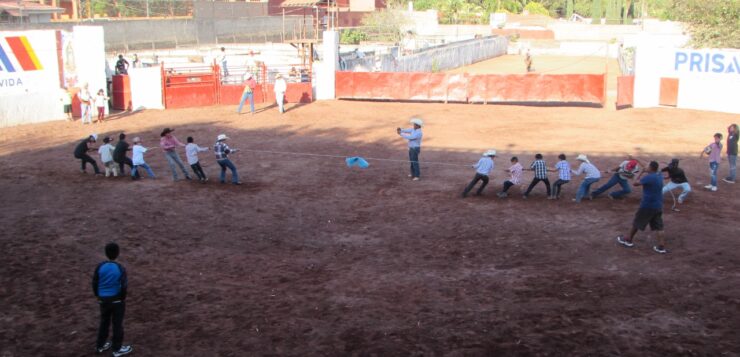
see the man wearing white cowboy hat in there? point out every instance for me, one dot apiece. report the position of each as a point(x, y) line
point(222, 151)
point(280, 87)
point(592, 176)
point(482, 170)
point(248, 93)
point(81, 153)
point(413, 135)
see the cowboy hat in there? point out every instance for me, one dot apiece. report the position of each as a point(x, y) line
point(582, 157)
point(222, 137)
point(94, 137)
point(166, 131)
point(491, 152)
point(417, 121)
point(278, 75)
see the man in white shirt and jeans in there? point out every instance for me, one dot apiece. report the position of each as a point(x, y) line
point(280, 87)
point(482, 170)
point(413, 135)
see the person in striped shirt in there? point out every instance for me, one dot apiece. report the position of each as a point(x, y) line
point(563, 170)
point(482, 170)
point(516, 177)
point(222, 151)
point(540, 174)
point(592, 176)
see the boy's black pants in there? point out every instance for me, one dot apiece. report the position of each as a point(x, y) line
point(535, 182)
point(478, 177)
point(111, 311)
point(198, 170)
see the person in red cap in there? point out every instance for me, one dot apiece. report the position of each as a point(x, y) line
point(622, 174)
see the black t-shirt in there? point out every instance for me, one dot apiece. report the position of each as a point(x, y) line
point(119, 153)
point(676, 174)
point(732, 144)
point(81, 148)
point(121, 65)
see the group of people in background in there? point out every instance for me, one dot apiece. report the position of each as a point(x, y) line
point(115, 158)
point(87, 102)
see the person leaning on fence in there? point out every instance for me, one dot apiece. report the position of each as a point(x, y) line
point(81, 153)
point(169, 144)
point(280, 87)
point(248, 93)
point(482, 170)
point(222, 62)
point(222, 151)
point(413, 135)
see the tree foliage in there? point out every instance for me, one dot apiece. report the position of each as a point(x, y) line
point(713, 23)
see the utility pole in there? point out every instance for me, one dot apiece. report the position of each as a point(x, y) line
point(147, 8)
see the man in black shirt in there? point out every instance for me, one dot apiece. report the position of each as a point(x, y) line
point(121, 65)
point(732, 133)
point(119, 154)
point(678, 179)
point(81, 153)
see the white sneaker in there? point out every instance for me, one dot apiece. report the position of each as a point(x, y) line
point(714, 188)
point(708, 187)
point(105, 347)
point(124, 350)
point(417, 179)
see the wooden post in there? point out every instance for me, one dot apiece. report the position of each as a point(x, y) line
point(283, 34)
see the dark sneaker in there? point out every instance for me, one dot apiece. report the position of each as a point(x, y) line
point(728, 180)
point(188, 178)
point(659, 249)
point(124, 350)
point(236, 183)
point(105, 347)
point(625, 242)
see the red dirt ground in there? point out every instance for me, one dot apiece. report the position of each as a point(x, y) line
point(312, 258)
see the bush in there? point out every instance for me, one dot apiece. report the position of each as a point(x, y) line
point(536, 8)
point(353, 37)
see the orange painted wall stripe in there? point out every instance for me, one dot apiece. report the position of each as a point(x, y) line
point(31, 53)
point(21, 54)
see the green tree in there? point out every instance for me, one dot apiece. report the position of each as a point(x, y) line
point(384, 25)
point(596, 12)
point(568, 8)
point(713, 23)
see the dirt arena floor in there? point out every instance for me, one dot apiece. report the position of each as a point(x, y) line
point(311, 258)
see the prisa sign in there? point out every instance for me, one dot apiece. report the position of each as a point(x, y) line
point(706, 62)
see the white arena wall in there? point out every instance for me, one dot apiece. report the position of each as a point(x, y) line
point(32, 75)
point(708, 79)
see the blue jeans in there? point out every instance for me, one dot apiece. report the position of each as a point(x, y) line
point(172, 159)
point(244, 98)
point(227, 163)
point(713, 167)
point(732, 160)
point(626, 189)
point(135, 170)
point(585, 186)
point(414, 159)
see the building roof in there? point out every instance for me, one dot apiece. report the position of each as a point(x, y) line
point(28, 8)
point(303, 3)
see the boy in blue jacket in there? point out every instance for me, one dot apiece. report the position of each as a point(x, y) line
point(109, 285)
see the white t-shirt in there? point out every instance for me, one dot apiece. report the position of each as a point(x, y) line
point(280, 86)
point(106, 153)
point(137, 154)
point(191, 152)
point(100, 100)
